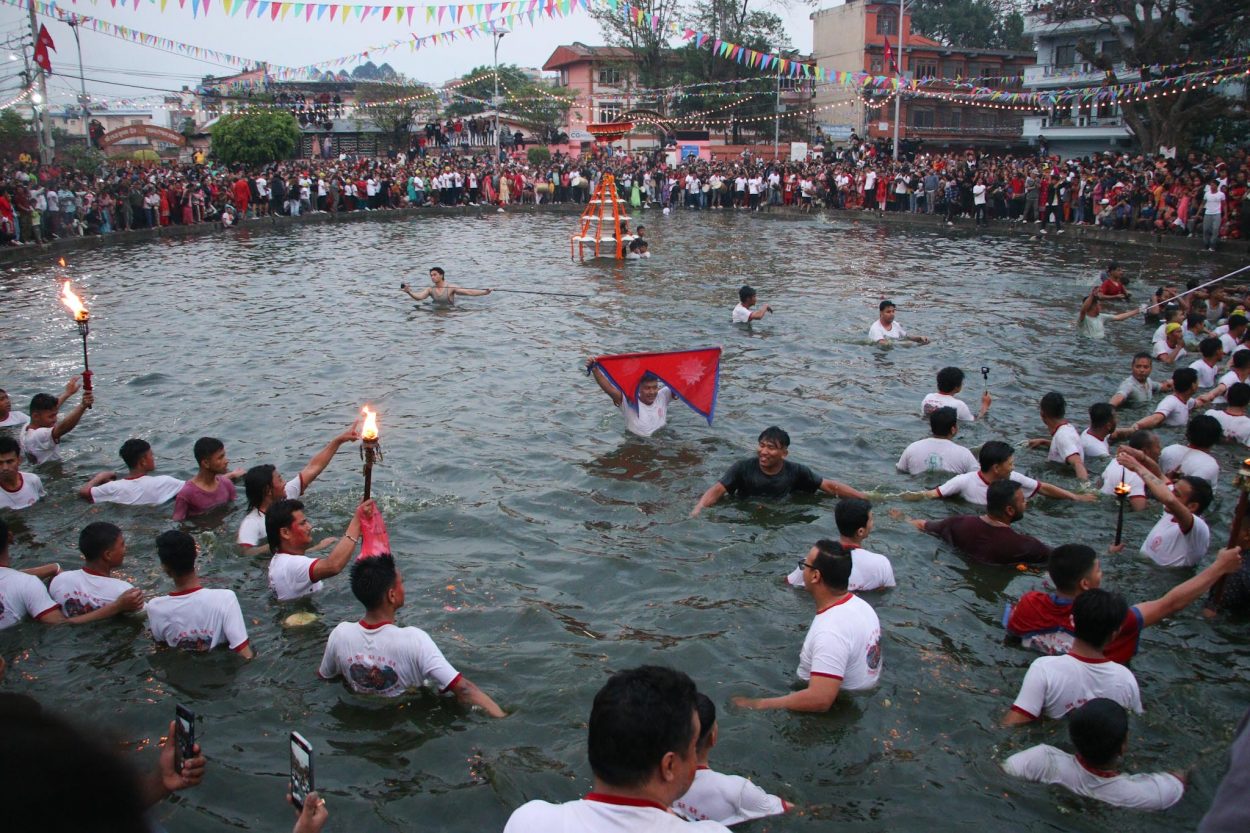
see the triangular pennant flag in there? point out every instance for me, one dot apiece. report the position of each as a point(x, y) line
point(692, 375)
point(227, 5)
point(274, 9)
point(205, 2)
point(386, 10)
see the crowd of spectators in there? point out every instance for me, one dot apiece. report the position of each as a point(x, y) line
point(1195, 194)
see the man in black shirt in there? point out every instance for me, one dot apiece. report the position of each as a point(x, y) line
point(770, 474)
point(989, 538)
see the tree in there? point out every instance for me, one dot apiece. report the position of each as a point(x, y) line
point(539, 107)
point(1161, 33)
point(13, 130)
point(653, 64)
point(981, 24)
point(254, 137)
point(393, 107)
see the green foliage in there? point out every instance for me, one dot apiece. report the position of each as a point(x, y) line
point(13, 128)
point(654, 66)
point(255, 137)
point(79, 155)
point(538, 155)
point(982, 24)
point(393, 106)
point(538, 106)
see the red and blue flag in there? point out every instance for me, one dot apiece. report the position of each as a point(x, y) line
point(692, 375)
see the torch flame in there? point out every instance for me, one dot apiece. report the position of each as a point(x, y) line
point(72, 302)
point(369, 431)
point(1122, 488)
point(61, 261)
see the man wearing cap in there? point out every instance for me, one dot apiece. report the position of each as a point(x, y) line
point(1171, 347)
point(883, 330)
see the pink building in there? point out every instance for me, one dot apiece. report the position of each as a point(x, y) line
point(602, 78)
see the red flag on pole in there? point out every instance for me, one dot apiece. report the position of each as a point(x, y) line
point(45, 39)
point(692, 375)
point(42, 44)
point(889, 57)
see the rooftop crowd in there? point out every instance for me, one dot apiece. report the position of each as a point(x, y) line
point(1113, 191)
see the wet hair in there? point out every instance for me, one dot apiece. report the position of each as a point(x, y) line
point(707, 722)
point(745, 293)
point(1236, 320)
point(993, 453)
point(942, 421)
point(1141, 440)
point(1054, 405)
point(638, 717)
point(949, 378)
point(1241, 359)
point(648, 377)
point(1143, 355)
point(1068, 564)
point(851, 514)
point(1209, 346)
point(43, 402)
point(176, 550)
point(371, 578)
point(776, 436)
point(97, 538)
point(885, 305)
point(1113, 265)
point(1201, 491)
point(1096, 615)
point(132, 452)
point(1238, 394)
point(1204, 431)
point(9, 445)
point(278, 517)
point(999, 496)
point(1100, 414)
point(256, 483)
point(43, 753)
point(833, 562)
point(206, 447)
point(441, 272)
point(1184, 378)
point(1098, 729)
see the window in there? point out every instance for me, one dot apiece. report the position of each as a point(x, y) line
point(952, 69)
point(789, 82)
point(875, 69)
point(564, 78)
point(1112, 50)
point(887, 23)
point(955, 118)
point(926, 70)
point(1065, 54)
point(921, 118)
point(610, 110)
point(609, 75)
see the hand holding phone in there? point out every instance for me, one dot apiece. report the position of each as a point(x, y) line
point(301, 770)
point(184, 736)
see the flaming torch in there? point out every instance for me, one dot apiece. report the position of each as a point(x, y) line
point(1121, 492)
point(83, 319)
point(369, 448)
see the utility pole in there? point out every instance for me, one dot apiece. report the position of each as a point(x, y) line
point(83, 98)
point(498, 34)
point(898, 93)
point(777, 109)
point(46, 145)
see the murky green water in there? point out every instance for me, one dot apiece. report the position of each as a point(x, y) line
point(543, 549)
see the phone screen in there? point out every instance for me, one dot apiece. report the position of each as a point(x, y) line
point(301, 770)
point(184, 736)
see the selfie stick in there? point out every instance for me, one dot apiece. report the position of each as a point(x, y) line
point(985, 374)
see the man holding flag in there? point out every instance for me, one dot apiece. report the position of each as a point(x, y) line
point(643, 385)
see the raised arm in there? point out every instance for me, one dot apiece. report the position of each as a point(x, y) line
point(1161, 492)
point(838, 489)
point(71, 388)
point(336, 561)
point(1227, 562)
point(986, 400)
point(323, 457)
point(71, 419)
point(606, 386)
point(713, 494)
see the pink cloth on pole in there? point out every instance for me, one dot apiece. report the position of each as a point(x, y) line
point(373, 537)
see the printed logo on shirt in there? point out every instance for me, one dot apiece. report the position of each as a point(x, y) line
point(373, 677)
point(874, 656)
point(934, 463)
point(77, 607)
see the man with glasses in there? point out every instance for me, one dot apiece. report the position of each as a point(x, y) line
point(843, 646)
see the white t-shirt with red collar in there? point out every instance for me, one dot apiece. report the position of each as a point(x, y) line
point(252, 528)
point(1191, 461)
point(21, 596)
point(1170, 546)
point(843, 642)
point(147, 490)
point(728, 799)
point(40, 446)
point(1054, 686)
point(1064, 442)
point(385, 659)
point(598, 813)
point(199, 619)
point(1175, 412)
point(1092, 446)
point(28, 492)
point(79, 592)
point(869, 571)
point(934, 401)
point(644, 420)
point(937, 454)
point(1048, 765)
point(973, 487)
point(1236, 427)
point(1114, 474)
point(1207, 373)
point(291, 577)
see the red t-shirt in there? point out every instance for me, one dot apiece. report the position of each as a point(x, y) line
point(1046, 620)
point(1111, 287)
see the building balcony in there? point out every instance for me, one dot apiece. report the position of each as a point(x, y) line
point(1042, 23)
point(1078, 74)
point(1000, 131)
point(1078, 127)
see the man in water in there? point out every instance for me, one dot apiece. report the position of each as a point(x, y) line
point(884, 329)
point(743, 314)
point(1139, 388)
point(989, 538)
point(442, 293)
point(653, 400)
point(770, 474)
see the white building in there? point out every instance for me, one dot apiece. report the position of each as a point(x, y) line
point(1074, 128)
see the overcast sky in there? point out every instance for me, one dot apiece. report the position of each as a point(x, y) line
point(111, 63)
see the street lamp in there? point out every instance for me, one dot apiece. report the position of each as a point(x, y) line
point(898, 93)
point(498, 34)
point(83, 99)
point(777, 113)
